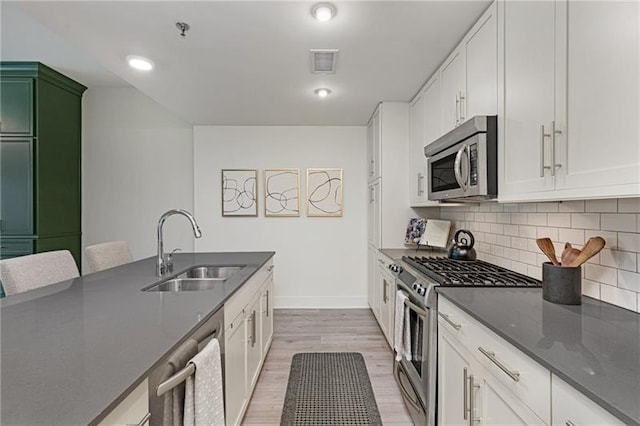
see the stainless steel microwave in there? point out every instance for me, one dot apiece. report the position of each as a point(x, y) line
point(463, 164)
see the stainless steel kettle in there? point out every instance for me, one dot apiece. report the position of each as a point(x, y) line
point(462, 246)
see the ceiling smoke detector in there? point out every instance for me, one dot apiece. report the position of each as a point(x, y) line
point(183, 27)
point(323, 11)
point(323, 61)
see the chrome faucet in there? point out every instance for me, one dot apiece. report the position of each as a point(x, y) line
point(164, 263)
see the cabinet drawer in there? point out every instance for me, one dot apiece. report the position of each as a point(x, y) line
point(521, 375)
point(239, 301)
point(570, 407)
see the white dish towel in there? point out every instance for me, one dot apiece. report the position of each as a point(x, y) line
point(402, 331)
point(204, 398)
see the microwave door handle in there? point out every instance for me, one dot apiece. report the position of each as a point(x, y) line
point(457, 167)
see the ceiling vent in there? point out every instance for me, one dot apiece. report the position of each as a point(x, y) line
point(323, 61)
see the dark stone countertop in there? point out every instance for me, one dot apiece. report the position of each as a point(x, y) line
point(72, 350)
point(595, 347)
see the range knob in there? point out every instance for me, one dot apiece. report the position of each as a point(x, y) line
point(395, 268)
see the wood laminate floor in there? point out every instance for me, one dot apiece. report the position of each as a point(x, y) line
point(325, 330)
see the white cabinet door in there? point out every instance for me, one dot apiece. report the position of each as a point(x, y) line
point(452, 81)
point(235, 372)
point(372, 272)
point(599, 145)
point(426, 123)
point(529, 95)
point(374, 214)
point(133, 409)
point(373, 145)
point(454, 371)
point(502, 407)
point(266, 308)
point(570, 407)
point(481, 60)
point(254, 349)
point(417, 160)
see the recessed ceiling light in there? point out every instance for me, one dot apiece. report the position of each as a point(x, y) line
point(140, 63)
point(323, 11)
point(323, 93)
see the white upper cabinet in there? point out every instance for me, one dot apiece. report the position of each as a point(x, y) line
point(373, 146)
point(528, 101)
point(469, 76)
point(569, 109)
point(600, 144)
point(452, 86)
point(425, 125)
point(481, 59)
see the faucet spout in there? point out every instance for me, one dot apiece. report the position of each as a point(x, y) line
point(162, 266)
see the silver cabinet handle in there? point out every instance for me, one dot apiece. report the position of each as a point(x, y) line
point(543, 135)
point(457, 166)
point(514, 375)
point(554, 132)
point(385, 295)
point(462, 115)
point(420, 187)
point(267, 310)
point(457, 108)
point(253, 332)
point(448, 320)
point(270, 268)
point(465, 398)
point(472, 408)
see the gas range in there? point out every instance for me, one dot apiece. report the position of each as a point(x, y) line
point(420, 274)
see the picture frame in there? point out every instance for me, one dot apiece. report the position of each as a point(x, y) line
point(324, 192)
point(239, 192)
point(281, 192)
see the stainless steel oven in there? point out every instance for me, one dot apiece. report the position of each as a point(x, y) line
point(416, 373)
point(463, 164)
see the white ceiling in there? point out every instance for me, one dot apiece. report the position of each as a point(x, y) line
point(244, 62)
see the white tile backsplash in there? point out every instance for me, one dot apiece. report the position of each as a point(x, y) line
point(506, 236)
point(619, 222)
point(601, 206)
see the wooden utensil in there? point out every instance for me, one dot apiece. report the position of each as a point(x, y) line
point(547, 248)
point(568, 254)
point(590, 249)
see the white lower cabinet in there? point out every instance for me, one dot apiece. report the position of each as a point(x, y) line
point(571, 408)
point(133, 410)
point(248, 334)
point(382, 297)
point(481, 380)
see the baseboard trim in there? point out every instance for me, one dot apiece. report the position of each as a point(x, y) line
point(320, 302)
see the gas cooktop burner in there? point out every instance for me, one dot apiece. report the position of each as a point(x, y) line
point(449, 272)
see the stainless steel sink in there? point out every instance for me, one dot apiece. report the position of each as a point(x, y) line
point(198, 278)
point(188, 284)
point(211, 272)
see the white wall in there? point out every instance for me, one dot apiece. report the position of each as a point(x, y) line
point(137, 162)
point(505, 235)
point(320, 262)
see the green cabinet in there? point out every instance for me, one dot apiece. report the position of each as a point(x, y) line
point(40, 160)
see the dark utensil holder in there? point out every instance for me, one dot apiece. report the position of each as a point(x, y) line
point(561, 284)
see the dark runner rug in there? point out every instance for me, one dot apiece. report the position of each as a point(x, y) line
point(331, 388)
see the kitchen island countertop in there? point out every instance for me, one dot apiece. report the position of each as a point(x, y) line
point(72, 350)
point(595, 347)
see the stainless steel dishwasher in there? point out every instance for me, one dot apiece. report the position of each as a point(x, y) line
point(211, 328)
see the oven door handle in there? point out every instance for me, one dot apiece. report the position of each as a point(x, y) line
point(404, 391)
point(417, 309)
